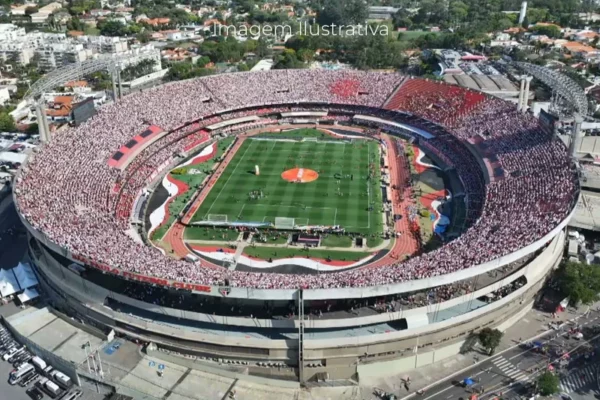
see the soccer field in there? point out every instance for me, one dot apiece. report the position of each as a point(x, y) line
point(340, 180)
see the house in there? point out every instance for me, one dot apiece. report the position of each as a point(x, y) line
point(59, 109)
point(156, 21)
point(585, 36)
point(580, 50)
point(50, 8)
point(514, 30)
point(4, 95)
point(100, 13)
point(172, 34)
point(20, 10)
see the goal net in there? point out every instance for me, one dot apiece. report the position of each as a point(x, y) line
point(310, 139)
point(217, 218)
point(284, 223)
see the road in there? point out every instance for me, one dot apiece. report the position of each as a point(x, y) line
point(513, 373)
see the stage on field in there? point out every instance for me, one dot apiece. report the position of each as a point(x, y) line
point(287, 181)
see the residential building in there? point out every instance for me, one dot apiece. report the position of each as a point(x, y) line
point(380, 13)
point(55, 55)
point(20, 9)
point(4, 95)
point(581, 50)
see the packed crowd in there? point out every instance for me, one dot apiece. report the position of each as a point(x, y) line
point(68, 192)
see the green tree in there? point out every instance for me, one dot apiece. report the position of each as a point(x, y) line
point(580, 282)
point(112, 28)
point(490, 339)
point(75, 24)
point(287, 60)
point(203, 61)
point(548, 384)
point(551, 31)
point(31, 10)
point(7, 124)
point(243, 67)
point(343, 12)
point(144, 36)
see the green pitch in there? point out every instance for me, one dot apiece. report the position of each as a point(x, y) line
point(341, 194)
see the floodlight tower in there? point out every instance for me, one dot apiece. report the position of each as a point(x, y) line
point(523, 12)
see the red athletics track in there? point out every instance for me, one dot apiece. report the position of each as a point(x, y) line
point(406, 244)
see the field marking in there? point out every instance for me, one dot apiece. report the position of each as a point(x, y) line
point(240, 213)
point(226, 182)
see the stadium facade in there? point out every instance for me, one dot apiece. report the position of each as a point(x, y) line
point(342, 325)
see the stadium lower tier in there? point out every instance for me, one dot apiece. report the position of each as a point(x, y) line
point(339, 343)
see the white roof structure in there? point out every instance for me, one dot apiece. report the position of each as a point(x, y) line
point(27, 295)
point(25, 276)
point(8, 283)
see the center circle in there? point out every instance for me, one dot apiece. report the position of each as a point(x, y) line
point(300, 175)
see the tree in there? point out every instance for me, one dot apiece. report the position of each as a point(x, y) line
point(287, 60)
point(579, 282)
point(490, 339)
point(144, 36)
point(7, 124)
point(552, 31)
point(31, 10)
point(75, 24)
point(343, 12)
point(202, 61)
point(548, 384)
point(112, 28)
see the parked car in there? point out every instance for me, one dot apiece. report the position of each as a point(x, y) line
point(35, 393)
point(26, 381)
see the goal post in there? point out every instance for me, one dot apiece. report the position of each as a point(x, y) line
point(284, 223)
point(217, 218)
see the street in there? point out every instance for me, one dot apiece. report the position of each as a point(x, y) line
point(513, 373)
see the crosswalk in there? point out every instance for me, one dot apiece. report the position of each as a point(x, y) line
point(577, 379)
point(509, 370)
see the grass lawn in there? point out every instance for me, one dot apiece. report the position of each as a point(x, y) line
point(347, 184)
point(205, 233)
point(265, 253)
point(90, 31)
point(410, 35)
point(192, 180)
point(336, 241)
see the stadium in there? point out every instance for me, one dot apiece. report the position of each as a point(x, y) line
point(122, 209)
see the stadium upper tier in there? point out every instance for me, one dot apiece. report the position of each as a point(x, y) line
point(70, 196)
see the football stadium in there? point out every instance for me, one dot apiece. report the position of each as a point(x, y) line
point(299, 225)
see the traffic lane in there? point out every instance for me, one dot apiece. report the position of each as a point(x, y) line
point(453, 388)
point(497, 379)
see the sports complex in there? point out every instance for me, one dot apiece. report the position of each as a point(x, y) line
point(300, 225)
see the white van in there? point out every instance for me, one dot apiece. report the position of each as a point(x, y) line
point(61, 379)
point(39, 363)
point(52, 387)
point(16, 375)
